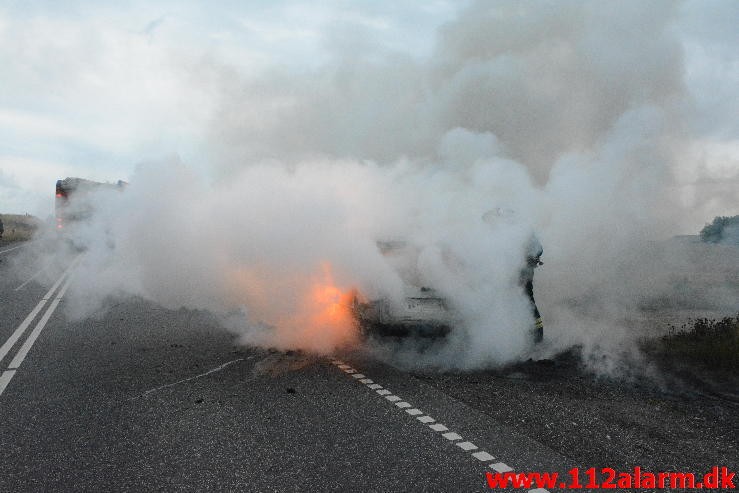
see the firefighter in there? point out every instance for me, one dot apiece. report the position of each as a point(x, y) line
point(532, 255)
point(534, 252)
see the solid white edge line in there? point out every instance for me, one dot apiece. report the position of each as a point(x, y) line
point(23, 351)
point(5, 378)
point(31, 316)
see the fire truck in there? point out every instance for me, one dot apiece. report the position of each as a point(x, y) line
point(74, 201)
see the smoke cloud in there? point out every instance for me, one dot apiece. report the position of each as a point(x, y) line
point(577, 116)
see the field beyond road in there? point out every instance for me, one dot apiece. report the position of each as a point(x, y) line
point(18, 227)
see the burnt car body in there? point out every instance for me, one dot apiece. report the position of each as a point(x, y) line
point(423, 312)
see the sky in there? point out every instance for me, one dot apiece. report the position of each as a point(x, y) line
point(92, 89)
point(95, 89)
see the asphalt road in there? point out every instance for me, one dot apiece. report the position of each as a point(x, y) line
point(143, 398)
point(146, 399)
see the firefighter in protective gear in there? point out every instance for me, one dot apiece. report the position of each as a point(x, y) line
point(534, 252)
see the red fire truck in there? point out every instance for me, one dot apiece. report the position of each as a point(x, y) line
point(73, 199)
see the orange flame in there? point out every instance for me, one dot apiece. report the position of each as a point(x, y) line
point(314, 313)
point(324, 317)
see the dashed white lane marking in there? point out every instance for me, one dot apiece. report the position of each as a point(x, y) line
point(467, 446)
point(483, 456)
point(480, 455)
point(501, 467)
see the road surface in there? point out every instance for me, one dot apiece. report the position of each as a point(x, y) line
point(140, 398)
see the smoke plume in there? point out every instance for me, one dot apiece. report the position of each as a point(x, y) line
point(575, 115)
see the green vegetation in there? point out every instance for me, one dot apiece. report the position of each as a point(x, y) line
point(19, 227)
point(723, 229)
point(711, 343)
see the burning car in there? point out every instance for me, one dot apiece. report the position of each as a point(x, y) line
point(423, 312)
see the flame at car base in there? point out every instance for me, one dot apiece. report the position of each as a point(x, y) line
point(326, 314)
point(312, 313)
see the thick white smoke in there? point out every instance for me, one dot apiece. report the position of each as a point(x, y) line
point(284, 246)
point(574, 114)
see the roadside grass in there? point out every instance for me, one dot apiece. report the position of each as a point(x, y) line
point(713, 344)
point(19, 227)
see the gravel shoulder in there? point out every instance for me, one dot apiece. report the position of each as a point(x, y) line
point(668, 423)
